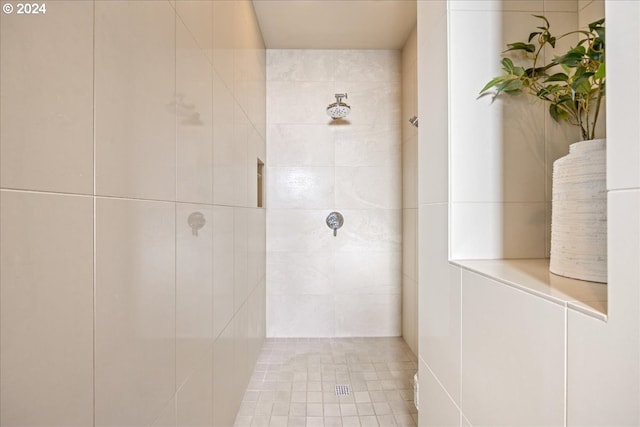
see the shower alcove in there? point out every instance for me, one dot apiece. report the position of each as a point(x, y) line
point(318, 284)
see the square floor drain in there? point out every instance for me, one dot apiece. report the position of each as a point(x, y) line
point(342, 390)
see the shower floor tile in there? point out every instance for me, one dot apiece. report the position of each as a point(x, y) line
point(294, 384)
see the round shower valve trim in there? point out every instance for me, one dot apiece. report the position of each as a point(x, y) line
point(334, 221)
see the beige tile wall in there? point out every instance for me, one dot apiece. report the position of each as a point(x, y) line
point(493, 356)
point(118, 121)
point(320, 285)
point(410, 192)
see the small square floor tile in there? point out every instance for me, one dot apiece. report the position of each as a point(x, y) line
point(278, 421)
point(315, 422)
point(350, 422)
point(348, 409)
point(294, 384)
point(297, 422)
point(369, 421)
point(332, 422)
point(314, 410)
point(298, 410)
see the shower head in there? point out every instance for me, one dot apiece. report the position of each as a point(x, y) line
point(338, 109)
point(414, 121)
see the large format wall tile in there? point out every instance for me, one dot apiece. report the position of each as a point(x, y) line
point(409, 197)
point(410, 173)
point(300, 315)
point(374, 104)
point(623, 154)
point(603, 371)
point(241, 362)
point(297, 145)
point(436, 407)
point(440, 329)
point(224, 405)
point(316, 166)
point(368, 315)
point(297, 273)
point(46, 121)
point(256, 243)
point(240, 257)
point(135, 100)
point(46, 291)
point(231, 129)
point(299, 65)
point(433, 102)
point(525, 385)
point(136, 339)
point(509, 230)
point(195, 398)
point(134, 314)
point(301, 187)
point(364, 65)
point(194, 289)
point(299, 230)
point(194, 121)
point(368, 187)
point(370, 230)
point(363, 145)
point(256, 322)
point(299, 102)
point(372, 272)
point(222, 224)
point(197, 17)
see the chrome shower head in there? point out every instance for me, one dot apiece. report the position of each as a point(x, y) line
point(338, 109)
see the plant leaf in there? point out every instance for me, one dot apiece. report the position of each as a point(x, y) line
point(511, 86)
point(558, 114)
point(521, 46)
point(601, 72)
point(545, 20)
point(558, 77)
point(493, 82)
point(596, 24)
point(532, 35)
point(572, 59)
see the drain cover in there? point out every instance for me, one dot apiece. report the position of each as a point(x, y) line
point(342, 390)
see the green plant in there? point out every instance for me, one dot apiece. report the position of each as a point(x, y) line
point(573, 83)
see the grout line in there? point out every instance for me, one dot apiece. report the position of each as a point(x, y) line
point(95, 210)
point(175, 212)
point(566, 364)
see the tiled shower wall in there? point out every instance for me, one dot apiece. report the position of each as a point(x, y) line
point(119, 120)
point(320, 285)
point(410, 192)
point(476, 334)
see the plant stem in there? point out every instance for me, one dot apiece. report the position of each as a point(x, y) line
point(598, 101)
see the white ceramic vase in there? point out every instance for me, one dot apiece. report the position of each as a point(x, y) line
point(579, 213)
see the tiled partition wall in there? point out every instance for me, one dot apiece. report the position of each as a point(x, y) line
point(121, 120)
point(410, 192)
point(320, 285)
point(493, 355)
point(502, 151)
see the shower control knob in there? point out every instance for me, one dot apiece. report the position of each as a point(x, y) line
point(335, 221)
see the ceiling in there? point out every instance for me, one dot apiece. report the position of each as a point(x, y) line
point(335, 24)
